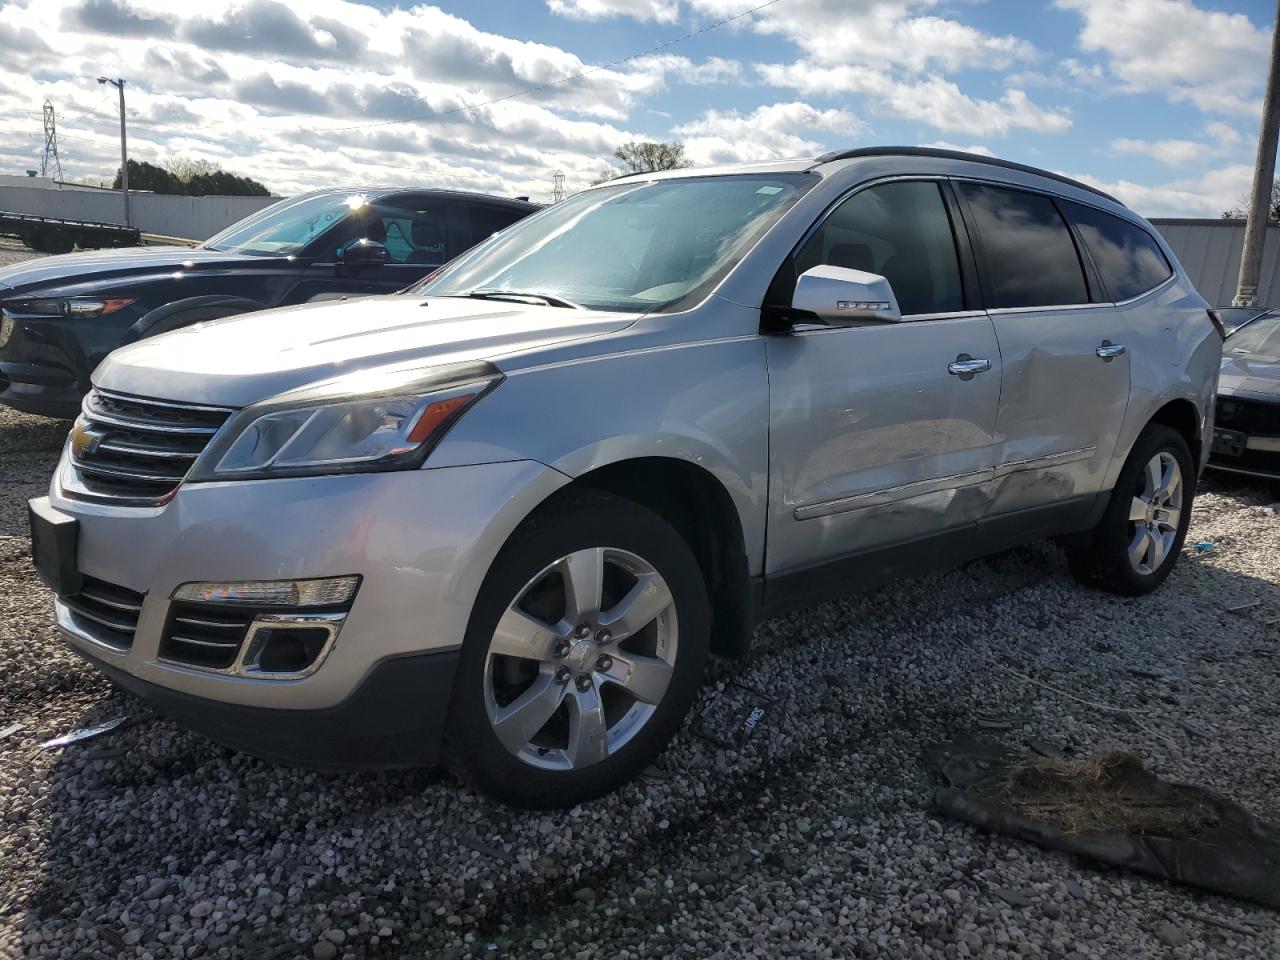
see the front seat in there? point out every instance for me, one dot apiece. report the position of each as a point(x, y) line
point(428, 242)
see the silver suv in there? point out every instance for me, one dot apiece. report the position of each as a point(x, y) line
point(501, 519)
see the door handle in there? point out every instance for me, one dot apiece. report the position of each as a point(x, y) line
point(1108, 350)
point(966, 366)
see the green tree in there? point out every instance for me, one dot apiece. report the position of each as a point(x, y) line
point(190, 178)
point(646, 156)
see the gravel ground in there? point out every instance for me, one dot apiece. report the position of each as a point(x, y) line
point(813, 839)
point(11, 251)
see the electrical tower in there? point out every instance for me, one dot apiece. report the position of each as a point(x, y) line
point(50, 162)
point(557, 187)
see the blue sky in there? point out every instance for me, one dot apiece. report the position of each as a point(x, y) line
point(1155, 100)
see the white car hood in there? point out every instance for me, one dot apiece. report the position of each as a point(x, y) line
point(241, 360)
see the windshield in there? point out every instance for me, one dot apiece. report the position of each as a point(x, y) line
point(632, 246)
point(1259, 340)
point(286, 227)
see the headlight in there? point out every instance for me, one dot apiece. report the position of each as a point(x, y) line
point(375, 420)
point(70, 307)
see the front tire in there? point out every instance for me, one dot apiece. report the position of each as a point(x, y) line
point(1137, 541)
point(585, 650)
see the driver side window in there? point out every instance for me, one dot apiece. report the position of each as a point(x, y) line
point(900, 231)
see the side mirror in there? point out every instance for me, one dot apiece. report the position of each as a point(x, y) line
point(364, 253)
point(838, 295)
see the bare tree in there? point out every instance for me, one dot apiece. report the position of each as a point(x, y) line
point(646, 157)
point(1241, 210)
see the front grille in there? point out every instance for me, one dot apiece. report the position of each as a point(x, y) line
point(1253, 417)
point(205, 635)
point(108, 612)
point(138, 450)
point(210, 635)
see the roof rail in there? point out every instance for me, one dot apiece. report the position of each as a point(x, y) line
point(954, 155)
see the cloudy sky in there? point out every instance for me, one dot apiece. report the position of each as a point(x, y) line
point(1155, 100)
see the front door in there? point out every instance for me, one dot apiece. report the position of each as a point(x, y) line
point(412, 227)
point(1066, 366)
point(874, 441)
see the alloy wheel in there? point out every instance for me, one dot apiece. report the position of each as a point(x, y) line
point(581, 658)
point(1155, 513)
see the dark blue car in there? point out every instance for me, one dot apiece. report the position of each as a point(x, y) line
point(59, 316)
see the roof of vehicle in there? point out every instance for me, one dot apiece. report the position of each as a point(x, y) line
point(800, 165)
point(376, 192)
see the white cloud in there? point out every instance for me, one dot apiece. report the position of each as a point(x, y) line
point(1222, 133)
point(972, 148)
point(663, 11)
point(1172, 153)
point(770, 132)
point(1213, 59)
point(269, 89)
point(886, 33)
point(931, 99)
point(1204, 196)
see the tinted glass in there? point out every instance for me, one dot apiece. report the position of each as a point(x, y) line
point(1030, 258)
point(484, 221)
point(286, 227)
point(634, 246)
point(900, 231)
point(413, 232)
point(1128, 259)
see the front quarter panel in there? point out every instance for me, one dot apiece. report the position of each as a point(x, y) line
point(703, 402)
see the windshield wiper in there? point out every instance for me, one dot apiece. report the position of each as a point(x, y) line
point(550, 299)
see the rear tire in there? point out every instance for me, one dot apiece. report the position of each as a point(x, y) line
point(1137, 541)
point(585, 649)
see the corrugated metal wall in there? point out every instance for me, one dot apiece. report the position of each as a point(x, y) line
point(1210, 253)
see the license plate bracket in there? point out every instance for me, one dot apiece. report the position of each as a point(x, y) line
point(1230, 443)
point(55, 537)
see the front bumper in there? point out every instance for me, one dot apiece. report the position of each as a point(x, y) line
point(1246, 436)
point(421, 540)
point(395, 717)
point(45, 364)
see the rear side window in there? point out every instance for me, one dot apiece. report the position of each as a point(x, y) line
point(1029, 258)
point(1128, 258)
point(902, 232)
point(482, 221)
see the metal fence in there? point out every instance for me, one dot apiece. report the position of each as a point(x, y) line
point(1210, 253)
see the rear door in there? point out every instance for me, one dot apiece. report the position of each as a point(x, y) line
point(1065, 384)
point(873, 440)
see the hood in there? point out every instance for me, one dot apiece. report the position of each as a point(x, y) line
point(1243, 374)
point(79, 269)
point(243, 359)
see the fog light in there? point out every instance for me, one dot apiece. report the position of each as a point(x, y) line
point(289, 646)
point(328, 592)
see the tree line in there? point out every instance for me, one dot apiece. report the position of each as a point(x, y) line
point(189, 178)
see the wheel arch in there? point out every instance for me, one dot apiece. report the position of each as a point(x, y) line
point(182, 313)
point(702, 511)
point(1182, 415)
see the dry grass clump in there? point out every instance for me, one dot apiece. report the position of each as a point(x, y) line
point(1106, 793)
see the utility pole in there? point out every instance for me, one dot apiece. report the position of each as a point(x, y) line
point(124, 149)
point(1264, 171)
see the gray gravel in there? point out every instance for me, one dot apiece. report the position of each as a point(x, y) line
point(814, 839)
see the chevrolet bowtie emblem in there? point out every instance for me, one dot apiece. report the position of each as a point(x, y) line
point(85, 440)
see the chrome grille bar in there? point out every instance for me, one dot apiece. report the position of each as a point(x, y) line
point(136, 451)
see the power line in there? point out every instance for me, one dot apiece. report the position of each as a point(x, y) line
point(561, 81)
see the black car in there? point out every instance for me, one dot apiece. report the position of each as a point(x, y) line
point(1246, 434)
point(59, 316)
